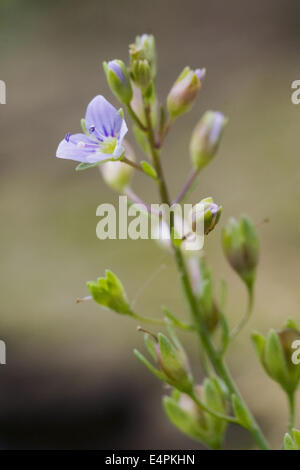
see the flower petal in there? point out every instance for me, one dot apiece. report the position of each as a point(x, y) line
point(76, 147)
point(103, 118)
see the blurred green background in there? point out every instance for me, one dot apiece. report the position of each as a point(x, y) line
point(71, 380)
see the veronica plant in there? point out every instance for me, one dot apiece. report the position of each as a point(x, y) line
point(201, 411)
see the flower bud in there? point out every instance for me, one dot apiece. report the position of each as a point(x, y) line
point(118, 80)
point(173, 367)
point(241, 247)
point(189, 418)
point(117, 174)
point(184, 91)
point(206, 138)
point(141, 74)
point(144, 50)
point(206, 212)
point(275, 354)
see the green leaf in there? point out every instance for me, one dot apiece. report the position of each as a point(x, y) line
point(149, 366)
point(86, 166)
point(241, 412)
point(181, 419)
point(174, 320)
point(225, 333)
point(150, 345)
point(109, 292)
point(148, 169)
point(259, 344)
point(296, 436)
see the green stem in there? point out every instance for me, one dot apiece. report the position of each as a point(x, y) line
point(246, 317)
point(152, 321)
point(135, 118)
point(203, 334)
point(291, 398)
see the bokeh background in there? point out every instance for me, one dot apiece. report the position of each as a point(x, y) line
point(71, 380)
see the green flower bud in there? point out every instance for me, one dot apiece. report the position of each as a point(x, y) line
point(241, 247)
point(144, 50)
point(173, 367)
point(184, 91)
point(275, 354)
point(206, 212)
point(206, 138)
point(117, 174)
point(141, 74)
point(190, 419)
point(118, 80)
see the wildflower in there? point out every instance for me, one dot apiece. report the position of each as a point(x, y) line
point(104, 130)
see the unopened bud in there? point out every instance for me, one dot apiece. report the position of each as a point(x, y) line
point(143, 49)
point(118, 80)
point(171, 360)
point(241, 247)
point(206, 212)
point(275, 353)
point(206, 138)
point(184, 91)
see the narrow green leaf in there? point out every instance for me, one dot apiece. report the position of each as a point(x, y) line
point(85, 166)
point(288, 443)
point(241, 413)
point(148, 169)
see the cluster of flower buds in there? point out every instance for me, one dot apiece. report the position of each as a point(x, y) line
point(207, 213)
point(202, 284)
point(276, 355)
point(173, 367)
point(206, 138)
point(189, 418)
point(184, 91)
point(143, 61)
point(241, 247)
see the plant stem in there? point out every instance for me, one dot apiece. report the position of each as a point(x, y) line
point(191, 178)
point(247, 315)
point(203, 334)
point(136, 166)
point(291, 398)
point(135, 118)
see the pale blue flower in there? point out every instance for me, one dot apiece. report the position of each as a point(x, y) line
point(105, 129)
